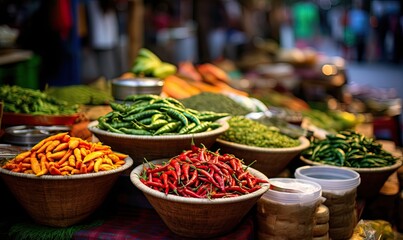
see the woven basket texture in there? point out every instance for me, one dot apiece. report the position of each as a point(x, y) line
point(269, 161)
point(372, 179)
point(61, 201)
point(199, 218)
point(140, 147)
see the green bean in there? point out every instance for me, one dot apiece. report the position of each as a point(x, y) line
point(141, 115)
point(186, 129)
point(168, 128)
point(135, 131)
point(177, 115)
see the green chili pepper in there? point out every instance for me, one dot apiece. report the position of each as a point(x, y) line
point(168, 128)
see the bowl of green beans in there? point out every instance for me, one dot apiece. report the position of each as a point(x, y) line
point(147, 126)
point(350, 149)
point(150, 147)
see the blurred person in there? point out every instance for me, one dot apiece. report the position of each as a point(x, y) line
point(305, 20)
point(49, 31)
point(359, 24)
point(104, 36)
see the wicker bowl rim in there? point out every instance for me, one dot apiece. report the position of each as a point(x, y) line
point(303, 140)
point(128, 163)
point(396, 165)
point(134, 177)
point(92, 126)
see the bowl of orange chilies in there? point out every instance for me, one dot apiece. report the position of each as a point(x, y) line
point(200, 192)
point(63, 179)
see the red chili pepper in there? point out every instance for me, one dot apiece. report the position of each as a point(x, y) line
point(202, 189)
point(193, 178)
point(185, 171)
point(250, 183)
point(156, 179)
point(177, 167)
point(154, 184)
point(234, 164)
point(242, 175)
point(158, 169)
point(173, 188)
point(209, 177)
point(259, 180)
point(191, 193)
point(172, 173)
point(220, 181)
point(215, 168)
point(194, 148)
point(164, 177)
point(255, 188)
point(236, 189)
point(184, 156)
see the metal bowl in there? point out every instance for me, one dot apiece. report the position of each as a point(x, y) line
point(121, 88)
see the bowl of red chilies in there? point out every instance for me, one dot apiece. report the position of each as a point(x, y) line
point(200, 193)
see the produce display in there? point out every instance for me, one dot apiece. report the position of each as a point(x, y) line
point(24, 100)
point(332, 120)
point(252, 133)
point(215, 102)
point(61, 154)
point(192, 79)
point(201, 173)
point(349, 149)
point(147, 114)
point(83, 95)
point(148, 64)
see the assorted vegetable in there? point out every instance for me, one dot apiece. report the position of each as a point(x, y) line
point(252, 133)
point(201, 173)
point(83, 94)
point(216, 102)
point(61, 154)
point(24, 100)
point(149, 64)
point(349, 149)
point(147, 114)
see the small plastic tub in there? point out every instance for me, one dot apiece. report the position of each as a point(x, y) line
point(288, 214)
point(339, 187)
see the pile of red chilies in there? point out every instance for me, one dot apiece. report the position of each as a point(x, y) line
point(201, 173)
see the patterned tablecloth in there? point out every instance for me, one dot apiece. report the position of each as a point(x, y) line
point(130, 216)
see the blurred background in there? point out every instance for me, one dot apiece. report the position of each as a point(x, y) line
point(93, 38)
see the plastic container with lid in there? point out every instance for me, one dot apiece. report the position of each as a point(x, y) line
point(339, 188)
point(288, 215)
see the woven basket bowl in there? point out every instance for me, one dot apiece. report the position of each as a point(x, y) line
point(269, 161)
point(372, 179)
point(61, 201)
point(195, 217)
point(140, 147)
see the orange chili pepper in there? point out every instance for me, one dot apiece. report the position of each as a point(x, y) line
point(74, 142)
point(93, 156)
point(53, 144)
point(43, 147)
point(72, 160)
point(57, 155)
point(90, 166)
point(66, 156)
point(54, 171)
point(97, 164)
point(36, 168)
point(20, 157)
point(61, 147)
